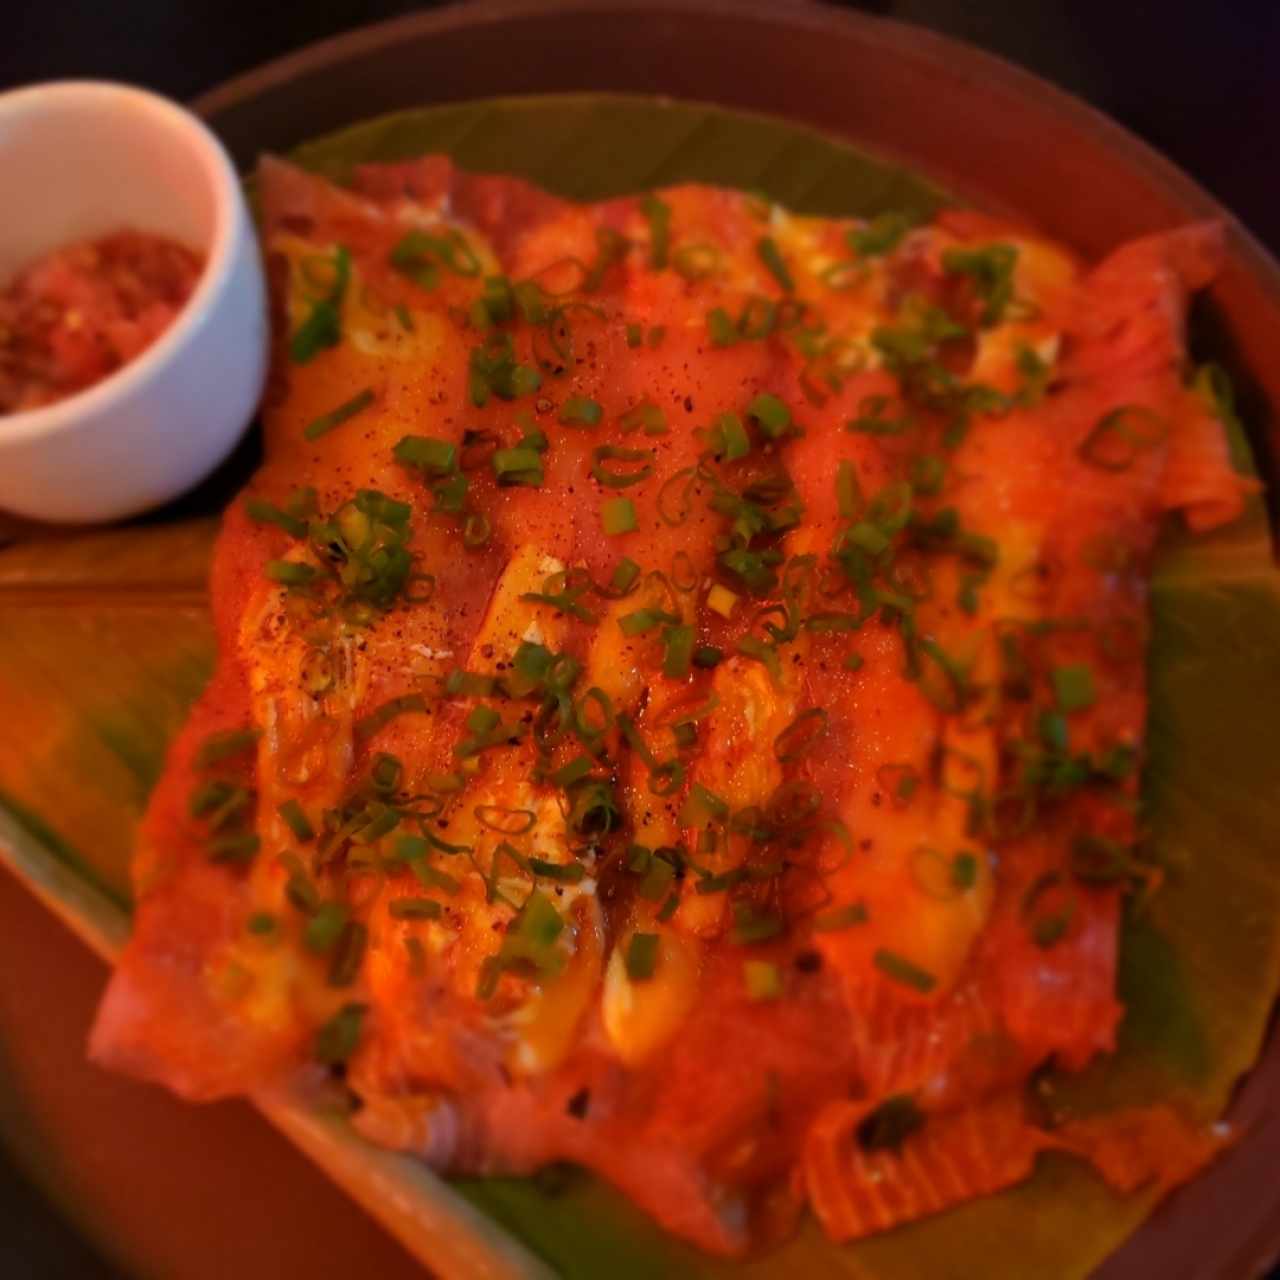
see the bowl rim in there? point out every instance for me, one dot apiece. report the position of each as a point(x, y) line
point(122, 383)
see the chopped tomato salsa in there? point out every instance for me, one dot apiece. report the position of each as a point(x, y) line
point(83, 311)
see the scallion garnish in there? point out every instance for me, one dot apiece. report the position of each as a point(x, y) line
point(519, 466)
point(431, 456)
point(1121, 437)
point(801, 734)
point(642, 956)
point(322, 930)
point(296, 820)
point(772, 258)
point(223, 745)
point(618, 516)
point(1073, 688)
point(620, 479)
point(336, 1041)
point(881, 235)
point(720, 328)
point(658, 212)
point(641, 620)
point(388, 711)
point(846, 917)
point(348, 954)
point(323, 325)
point(678, 645)
point(326, 422)
point(646, 414)
point(415, 909)
point(578, 411)
point(901, 970)
point(770, 415)
point(991, 270)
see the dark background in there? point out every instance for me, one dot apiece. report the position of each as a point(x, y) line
point(1200, 81)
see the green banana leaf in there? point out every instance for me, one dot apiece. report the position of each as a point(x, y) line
point(104, 641)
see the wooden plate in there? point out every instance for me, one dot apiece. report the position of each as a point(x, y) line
point(983, 129)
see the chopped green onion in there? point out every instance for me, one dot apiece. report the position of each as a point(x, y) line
point(771, 256)
point(838, 918)
point(642, 956)
point(1121, 436)
point(563, 872)
point(881, 235)
point(991, 270)
point(432, 877)
point(646, 414)
point(336, 417)
point(415, 909)
point(291, 573)
point(336, 1041)
point(573, 772)
point(296, 820)
point(223, 745)
point(348, 954)
point(901, 970)
point(642, 620)
point(261, 923)
point(832, 621)
point(730, 437)
point(522, 466)
point(751, 927)
point(1073, 688)
point(678, 644)
point(758, 318)
point(325, 925)
point(388, 711)
point(848, 494)
point(476, 530)
point(720, 328)
point(770, 414)
point(763, 979)
point(658, 212)
point(578, 411)
point(618, 516)
point(625, 575)
point(435, 457)
point(635, 335)
point(1053, 731)
point(707, 655)
point(801, 734)
point(964, 871)
point(754, 647)
point(658, 876)
point(504, 820)
point(927, 473)
point(322, 327)
point(620, 479)
point(263, 512)
point(234, 848)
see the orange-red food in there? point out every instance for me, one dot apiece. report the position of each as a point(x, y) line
point(681, 695)
point(85, 310)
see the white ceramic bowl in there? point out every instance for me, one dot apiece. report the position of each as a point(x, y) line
point(80, 159)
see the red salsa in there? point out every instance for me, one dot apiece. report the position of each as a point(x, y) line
point(81, 312)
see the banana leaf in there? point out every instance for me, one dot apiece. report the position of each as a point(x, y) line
point(105, 640)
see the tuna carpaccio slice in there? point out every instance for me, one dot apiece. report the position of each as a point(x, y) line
point(680, 692)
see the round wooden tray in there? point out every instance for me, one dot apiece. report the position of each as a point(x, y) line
point(201, 1193)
